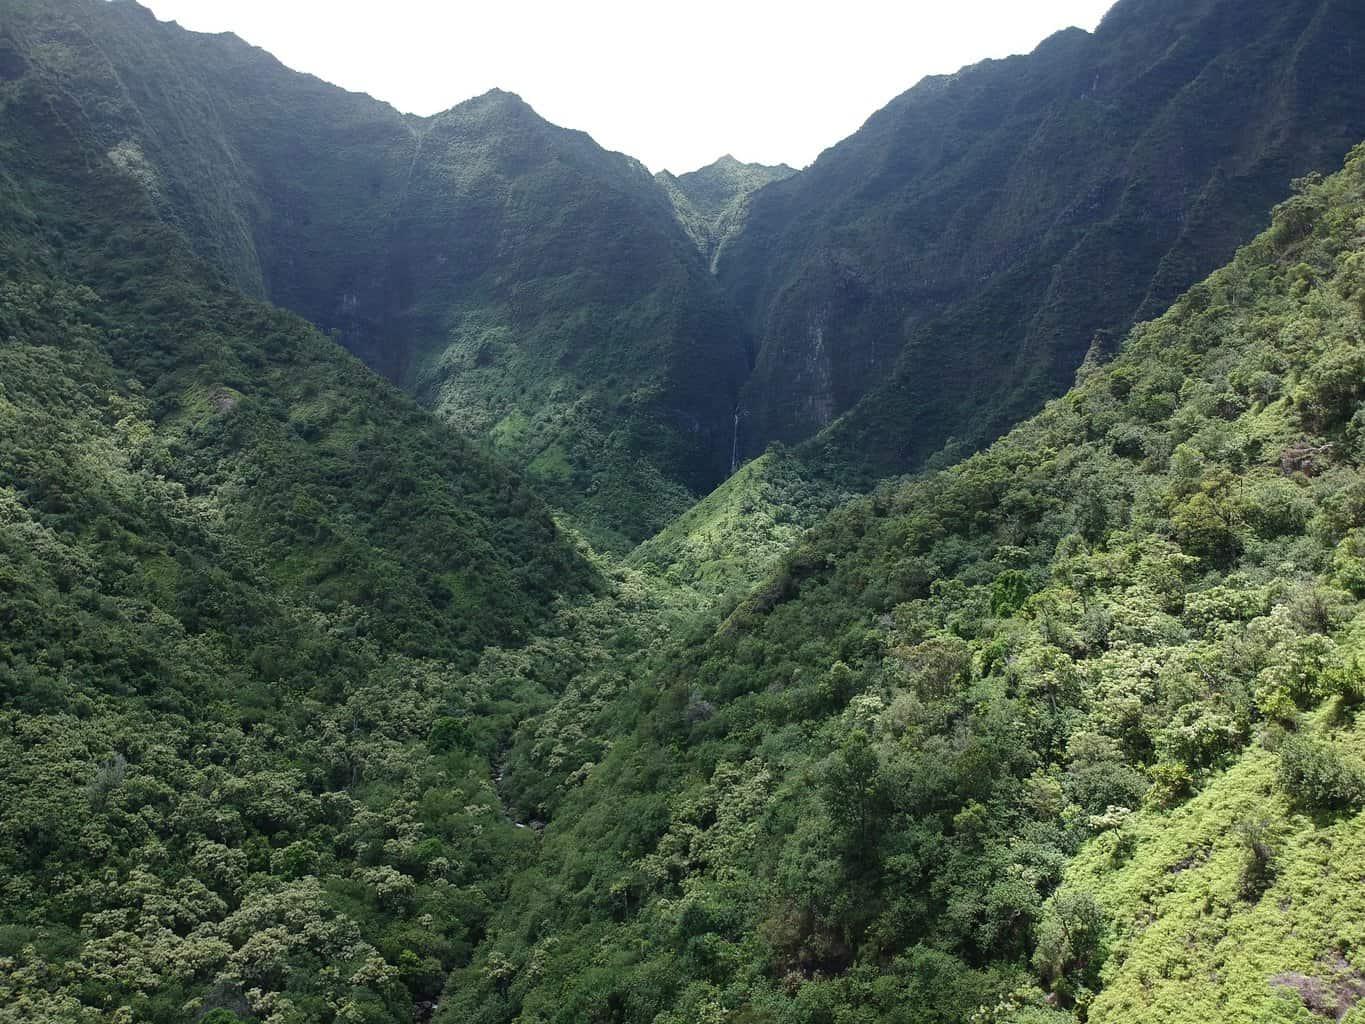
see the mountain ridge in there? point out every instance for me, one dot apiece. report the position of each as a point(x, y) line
point(336, 206)
point(711, 203)
point(910, 290)
point(946, 164)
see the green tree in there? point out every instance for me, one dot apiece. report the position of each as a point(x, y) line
point(855, 795)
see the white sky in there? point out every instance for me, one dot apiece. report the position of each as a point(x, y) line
point(675, 85)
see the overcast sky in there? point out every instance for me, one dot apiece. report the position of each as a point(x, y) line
point(675, 85)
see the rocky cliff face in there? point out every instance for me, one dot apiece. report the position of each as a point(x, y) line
point(946, 268)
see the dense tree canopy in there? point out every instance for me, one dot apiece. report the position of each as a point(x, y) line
point(310, 712)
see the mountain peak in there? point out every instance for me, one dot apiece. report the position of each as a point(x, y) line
point(711, 202)
point(496, 94)
point(730, 164)
point(495, 99)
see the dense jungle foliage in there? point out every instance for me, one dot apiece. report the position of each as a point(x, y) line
point(239, 576)
point(312, 711)
point(1066, 732)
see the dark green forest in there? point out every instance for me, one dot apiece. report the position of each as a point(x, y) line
point(450, 574)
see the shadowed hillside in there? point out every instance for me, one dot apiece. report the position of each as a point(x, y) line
point(534, 289)
point(943, 271)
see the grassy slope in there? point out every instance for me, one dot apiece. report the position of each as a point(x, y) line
point(1187, 943)
point(733, 538)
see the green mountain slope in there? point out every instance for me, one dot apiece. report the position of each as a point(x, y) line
point(713, 202)
point(943, 271)
point(533, 288)
point(1068, 731)
point(240, 580)
point(310, 714)
point(738, 534)
point(932, 279)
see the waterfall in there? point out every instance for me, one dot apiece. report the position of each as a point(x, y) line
point(734, 446)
